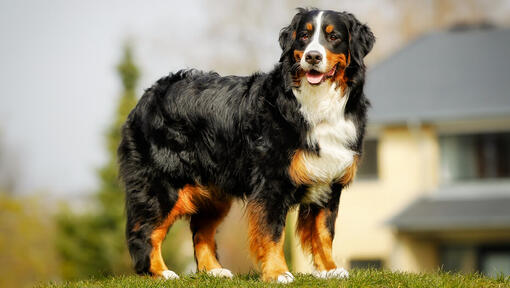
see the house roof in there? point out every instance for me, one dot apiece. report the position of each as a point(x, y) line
point(450, 75)
point(439, 213)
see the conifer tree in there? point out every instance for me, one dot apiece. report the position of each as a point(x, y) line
point(94, 243)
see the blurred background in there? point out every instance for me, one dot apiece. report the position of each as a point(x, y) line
point(433, 189)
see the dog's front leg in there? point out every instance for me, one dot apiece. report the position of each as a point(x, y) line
point(316, 228)
point(266, 235)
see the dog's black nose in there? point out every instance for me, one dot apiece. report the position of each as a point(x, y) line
point(313, 57)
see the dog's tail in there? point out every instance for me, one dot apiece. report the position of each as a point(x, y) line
point(133, 179)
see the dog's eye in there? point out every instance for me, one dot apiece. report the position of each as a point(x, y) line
point(304, 36)
point(332, 37)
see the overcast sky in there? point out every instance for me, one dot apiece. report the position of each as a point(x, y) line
point(59, 87)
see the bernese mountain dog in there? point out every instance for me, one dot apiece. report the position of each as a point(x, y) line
point(288, 138)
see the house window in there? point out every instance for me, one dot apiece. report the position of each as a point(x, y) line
point(475, 156)
point(491, 260)
point(495, 260)
point(366, 264)
point(367, 169)
point(458, 258)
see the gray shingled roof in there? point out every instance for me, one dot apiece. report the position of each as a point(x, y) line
point(443, 76)
point(431, 214)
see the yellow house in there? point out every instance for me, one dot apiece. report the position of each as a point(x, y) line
point(434, 188)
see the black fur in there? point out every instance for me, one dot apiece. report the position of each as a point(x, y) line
point(235, 133)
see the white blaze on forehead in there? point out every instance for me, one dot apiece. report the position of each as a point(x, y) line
point(315, 45)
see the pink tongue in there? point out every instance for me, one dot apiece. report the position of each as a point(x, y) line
point(314, 78)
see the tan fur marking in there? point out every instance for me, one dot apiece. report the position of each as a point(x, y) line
point(350, 172)
point(294, 35)
point(309, 26)
point(296, 79)
point(334, 59)
point(263, 249)
point(316, 239)
point(322, 245)
point(342, 62)
point(183, 206)
point(329, 28)
point(297, 169)
point(203, 240)
point(305, 231)
point(136, 227)
point(157, 263)
point(298, 54)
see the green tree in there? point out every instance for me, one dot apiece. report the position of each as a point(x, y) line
point(110, 194)
point(93, 243)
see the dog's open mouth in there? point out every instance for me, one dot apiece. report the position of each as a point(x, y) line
point(315, 77)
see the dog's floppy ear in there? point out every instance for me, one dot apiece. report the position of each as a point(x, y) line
point(286, 38)
point(361, 39)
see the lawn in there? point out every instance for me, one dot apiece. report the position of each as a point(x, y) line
point(359, 278)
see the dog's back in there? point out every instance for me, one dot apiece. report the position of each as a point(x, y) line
point(197, 127)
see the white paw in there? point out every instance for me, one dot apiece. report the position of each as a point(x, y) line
point(320, 274)
point(220, 272)
point(338, 273)
point(167, 274)
point(285, 278)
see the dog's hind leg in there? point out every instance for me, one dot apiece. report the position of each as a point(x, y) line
point(150, 212)
point(146, 228)
point(203, 225)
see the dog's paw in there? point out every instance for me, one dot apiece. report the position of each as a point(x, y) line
point(338, 273)
point(167, 274)
point(220, 272)
point(285, 278)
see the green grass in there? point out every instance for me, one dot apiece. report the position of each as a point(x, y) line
point(359, 278)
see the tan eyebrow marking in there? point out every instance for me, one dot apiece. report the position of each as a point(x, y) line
point(309, 26)
point(329, 28)
point(294, 34)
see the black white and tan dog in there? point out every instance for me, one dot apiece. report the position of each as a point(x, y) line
point(288, 138)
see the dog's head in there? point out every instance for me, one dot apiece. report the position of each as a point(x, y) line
point(320, 45)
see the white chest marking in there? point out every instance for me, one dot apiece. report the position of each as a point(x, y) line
point(324, 108)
